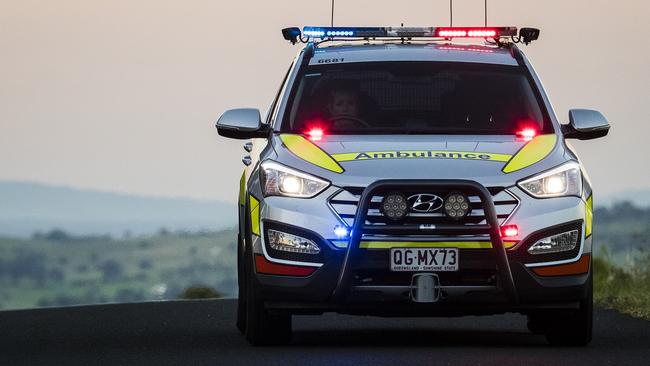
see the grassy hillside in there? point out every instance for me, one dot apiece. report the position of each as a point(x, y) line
point(56, 269)
point(624, 289)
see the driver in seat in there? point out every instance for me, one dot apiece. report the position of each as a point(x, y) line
point(343, 107)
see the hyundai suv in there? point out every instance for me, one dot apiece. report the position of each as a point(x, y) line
point(409, 172)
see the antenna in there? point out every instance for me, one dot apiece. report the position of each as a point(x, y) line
point(451, 13)
point(485, 12)
point(332, 20)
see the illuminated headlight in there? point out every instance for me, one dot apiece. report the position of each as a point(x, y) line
point(279, 180)
point(556, 243)
point(292, 243)
point(565, 180)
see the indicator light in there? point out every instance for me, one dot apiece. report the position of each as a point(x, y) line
point(509, 231)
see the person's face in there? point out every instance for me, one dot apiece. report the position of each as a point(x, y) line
point(343, 103)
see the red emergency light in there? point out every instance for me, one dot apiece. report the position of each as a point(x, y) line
point(527, 133)
point(475, 32)
point(509, 231)
point(315, 134)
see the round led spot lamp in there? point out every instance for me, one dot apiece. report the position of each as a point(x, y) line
point(394, 206)
point(457, 206)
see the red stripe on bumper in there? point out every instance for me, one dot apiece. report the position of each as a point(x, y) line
point(265, 267)
point(579, 267)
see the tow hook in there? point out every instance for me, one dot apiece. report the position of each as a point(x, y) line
point(425, 287)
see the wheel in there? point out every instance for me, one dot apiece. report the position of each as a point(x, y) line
point(263, 327)
point(538, 323)
point(241, 292)
point(574, 328)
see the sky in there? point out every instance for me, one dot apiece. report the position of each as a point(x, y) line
point(122, 95)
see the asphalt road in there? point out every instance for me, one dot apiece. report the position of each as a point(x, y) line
point(203, 332)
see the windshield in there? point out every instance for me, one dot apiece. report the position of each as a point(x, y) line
point(414, 98)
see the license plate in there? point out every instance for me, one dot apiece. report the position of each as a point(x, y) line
point(424, 259)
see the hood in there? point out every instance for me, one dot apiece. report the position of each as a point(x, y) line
point(365, 159)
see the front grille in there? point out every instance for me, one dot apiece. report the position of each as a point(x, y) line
point(344, 204)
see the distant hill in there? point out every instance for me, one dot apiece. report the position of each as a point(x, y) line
point(639, 197)
point(29, 207)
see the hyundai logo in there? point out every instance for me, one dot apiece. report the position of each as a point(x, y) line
point(425, 202)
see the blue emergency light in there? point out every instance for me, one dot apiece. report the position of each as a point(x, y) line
point(342, 32)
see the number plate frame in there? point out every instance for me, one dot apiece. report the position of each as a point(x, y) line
point(424, 259)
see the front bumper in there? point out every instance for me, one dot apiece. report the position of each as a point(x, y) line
point(508, 279)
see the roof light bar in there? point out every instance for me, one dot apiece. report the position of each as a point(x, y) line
point(332, 32)
point(475, 32)
point(408, 32)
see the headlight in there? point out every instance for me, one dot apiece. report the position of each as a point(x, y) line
point(565, 180)
point(279, 180)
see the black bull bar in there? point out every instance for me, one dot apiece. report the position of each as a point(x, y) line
point(491, 227)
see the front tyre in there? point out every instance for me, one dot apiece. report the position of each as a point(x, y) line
point(241, 292)
point(575, 328)
point(263, 327)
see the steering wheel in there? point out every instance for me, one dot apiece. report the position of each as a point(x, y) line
point(350, 118)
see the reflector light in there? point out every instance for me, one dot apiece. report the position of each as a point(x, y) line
point(527, 133)
point(315, 134)
point(264, 266)
point(509, 231)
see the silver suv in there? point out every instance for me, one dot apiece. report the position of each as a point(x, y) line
point(399, 172)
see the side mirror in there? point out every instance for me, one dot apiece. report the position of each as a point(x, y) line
point(242, 123)
point(585, 124)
